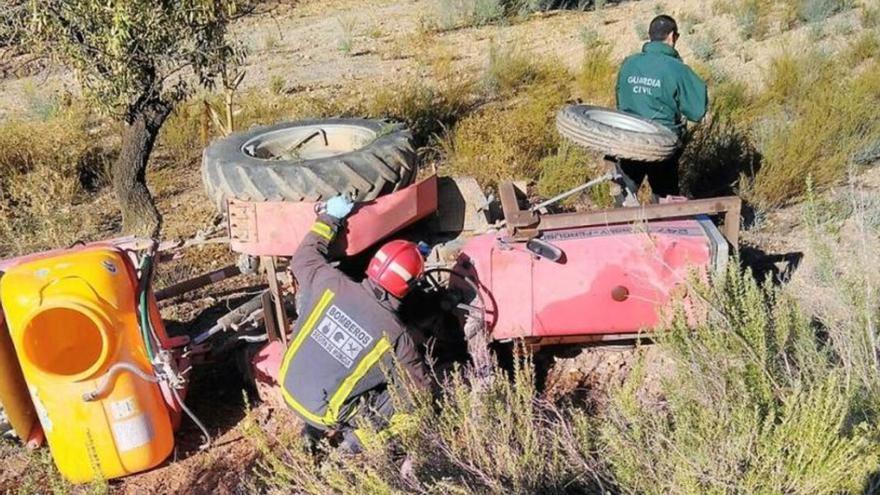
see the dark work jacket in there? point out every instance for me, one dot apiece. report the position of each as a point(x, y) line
point(344, 339)
point(658, 86)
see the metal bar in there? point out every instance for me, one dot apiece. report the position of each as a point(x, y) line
point(198, 282)
point(513, 215)
point(627, 189)
point(524, 224)
point(597, 339)
point(570, 192)
point(277, 296)
point(732, 223)
point(269, 317)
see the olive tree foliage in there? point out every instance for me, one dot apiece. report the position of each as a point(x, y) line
point(136, 59)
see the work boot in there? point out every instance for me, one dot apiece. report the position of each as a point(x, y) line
point(350, 443)
point(312, 437)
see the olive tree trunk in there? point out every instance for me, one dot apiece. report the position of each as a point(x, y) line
point(139, 213)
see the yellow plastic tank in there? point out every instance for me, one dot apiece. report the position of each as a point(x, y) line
point(14, 395)
point(73, 321)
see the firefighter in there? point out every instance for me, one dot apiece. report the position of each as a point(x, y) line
point(655, 84)
point(348, 332)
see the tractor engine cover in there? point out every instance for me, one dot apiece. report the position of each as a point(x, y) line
point(610, 283)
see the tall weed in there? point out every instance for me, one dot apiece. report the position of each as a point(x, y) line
point(484, 434)
point(46, 168)
point(754, 404)
point(824, 124)
point(507, 142)
point(594, 81)
point(509, 70)
point(569, 167)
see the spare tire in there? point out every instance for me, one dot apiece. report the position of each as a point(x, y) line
point(310, 160)
point(616, 133)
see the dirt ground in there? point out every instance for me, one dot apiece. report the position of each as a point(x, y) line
point(299, 42)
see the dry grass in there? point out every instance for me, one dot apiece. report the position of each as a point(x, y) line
point(755, 404)
point(42, 180)
point(595, 80)
point(427, 109)
point(510, 70)
point(509, 139)
point(507, 142)
point(817, 123)
point(571, 166)
point(486, 435)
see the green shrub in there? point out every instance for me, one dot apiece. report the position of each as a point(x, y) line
point(589, 37)
point(730, 99)
point(454, 14)
point(641, 30)
point(748, 19)
point(510, 70)
point(818, 131)
point(490, 435)
point(870, 16)
point(507, 142)
point(718, 155)
point(570, 167)
point(46, 169)
point(752, 404)
point(595, 80)
point(703, 47)
point(819, 10)
point(838, 285)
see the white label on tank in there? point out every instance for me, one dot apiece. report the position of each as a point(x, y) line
point(42, 413)
point(123, 408)
point(132, 433)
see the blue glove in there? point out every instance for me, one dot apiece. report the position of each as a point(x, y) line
point(338, 206)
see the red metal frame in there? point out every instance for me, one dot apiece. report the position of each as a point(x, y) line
point(525, 224)
point(276, 228)
point(620, 267)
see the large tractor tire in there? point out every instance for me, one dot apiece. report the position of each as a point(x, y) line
point(617, 134)
point(310, 160)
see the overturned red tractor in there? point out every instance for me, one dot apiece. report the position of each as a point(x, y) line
point(516, 270)
point(498, 270)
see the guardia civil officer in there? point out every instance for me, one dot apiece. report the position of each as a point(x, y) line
point(657, 85)
point(348, 332)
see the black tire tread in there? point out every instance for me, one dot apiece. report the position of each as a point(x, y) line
point(574, 125)
point(387, 164)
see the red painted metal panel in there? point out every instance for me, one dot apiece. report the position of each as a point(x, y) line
point(267, 362)
point(275, 228)
point(613, 279)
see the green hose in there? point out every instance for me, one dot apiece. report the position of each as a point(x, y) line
point(146, 270)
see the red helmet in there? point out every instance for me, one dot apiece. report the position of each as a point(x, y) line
point(394, 265)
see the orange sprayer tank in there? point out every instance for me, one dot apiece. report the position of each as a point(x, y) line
point(72, 317)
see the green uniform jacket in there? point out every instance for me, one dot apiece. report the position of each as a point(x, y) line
point(657, 85)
